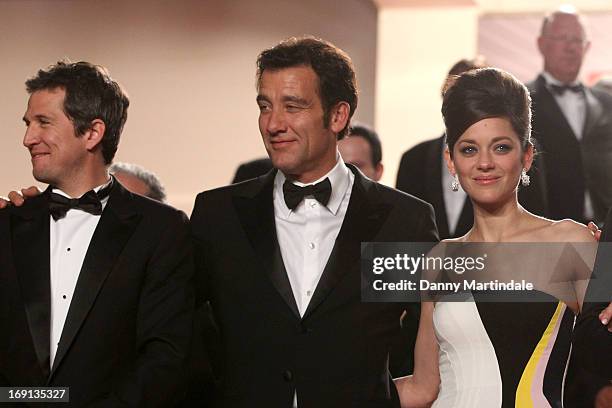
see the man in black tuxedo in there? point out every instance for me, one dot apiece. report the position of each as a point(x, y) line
point(96, 281)
point(423, 173)
point(590, 376)
point(572, 123)
point(279, 256)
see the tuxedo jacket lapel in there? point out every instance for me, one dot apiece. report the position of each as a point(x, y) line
point(115, 227)
point(30, 242)
point(362, 222)
point(549, 107)
point(594, 112)
point(436, 192)
point(255, 209)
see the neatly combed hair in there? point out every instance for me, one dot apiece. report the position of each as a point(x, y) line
point(370, 135)
point(486, 93)
point(90, 94)
point(156, 189)
point(333, 67)
point(464, 65)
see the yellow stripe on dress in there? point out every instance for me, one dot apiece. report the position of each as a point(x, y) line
point(524, 396)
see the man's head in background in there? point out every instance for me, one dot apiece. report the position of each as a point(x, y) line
point(362, 148)
point(563, 44)
point(139, 181)
point(463, 65)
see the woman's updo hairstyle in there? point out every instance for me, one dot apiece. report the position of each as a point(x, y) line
point(485, 93)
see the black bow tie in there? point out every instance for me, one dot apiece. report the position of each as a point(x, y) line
point(90, 202)
point(560, 89)
point(295, 194)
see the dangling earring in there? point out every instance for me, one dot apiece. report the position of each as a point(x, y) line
point(455, 183)
point(525, 180)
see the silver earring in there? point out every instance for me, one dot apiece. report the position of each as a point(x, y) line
point(455, 183)
point(525, 180)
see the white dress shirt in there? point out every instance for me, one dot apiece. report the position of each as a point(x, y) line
point(69, 240)
point(573, 106)
point(307, 235)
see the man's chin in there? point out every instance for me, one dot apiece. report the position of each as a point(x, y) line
point(42, 177)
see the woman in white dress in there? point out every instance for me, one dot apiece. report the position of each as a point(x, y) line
point(482, 354)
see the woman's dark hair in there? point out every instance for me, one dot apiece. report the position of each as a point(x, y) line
point(486, 93)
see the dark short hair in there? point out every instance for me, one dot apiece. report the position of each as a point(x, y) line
point(156, 189)
point(333, 67)
point(90, 94)
point(486, 93)
point(370, 135)
point(467, 64)
point(463, 65)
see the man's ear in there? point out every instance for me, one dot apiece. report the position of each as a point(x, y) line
point(541, 45)
point(378, 171)
point(339, 117)
point(94, 135)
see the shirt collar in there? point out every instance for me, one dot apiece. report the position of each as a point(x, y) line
point(96, 189)
point(338, 177)
point(551, 80)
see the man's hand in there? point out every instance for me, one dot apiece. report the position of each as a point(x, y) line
point(595, 230)
point(605, 316)
point(604, 398)
point(17, 198)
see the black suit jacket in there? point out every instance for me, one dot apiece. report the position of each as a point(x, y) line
point(129, 323)
point(570, 165)
point(336, 355)
point(420, 174)
point(252, 169)
point(591, 365)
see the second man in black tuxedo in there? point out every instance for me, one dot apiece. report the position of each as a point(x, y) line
point(572, 123)
point(95, 282)
point(279, 256)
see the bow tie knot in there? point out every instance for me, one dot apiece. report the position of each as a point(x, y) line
point(89, 202)
point(561, 89)
point(295, 194)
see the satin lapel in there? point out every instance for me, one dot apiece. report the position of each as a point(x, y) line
point(255, 209)
point(30, 242)
point(548, 106)
point(363, 219)
point(436, 192)
point(594, 112)
point(466, 219)
point(116, 225)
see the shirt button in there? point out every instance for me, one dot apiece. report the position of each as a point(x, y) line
point(68, 249)
point(308, 292)
point(313, 204)
point(311, 245)
point(64, 296)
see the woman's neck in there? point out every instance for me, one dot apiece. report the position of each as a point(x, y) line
point(496, 224)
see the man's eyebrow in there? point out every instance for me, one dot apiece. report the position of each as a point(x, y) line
point(296, 99)
point(261, 98)
point(38, 117)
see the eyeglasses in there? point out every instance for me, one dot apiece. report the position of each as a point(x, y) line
point(568, 39)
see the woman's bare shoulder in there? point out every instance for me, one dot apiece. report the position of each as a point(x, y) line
point(568, 231)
